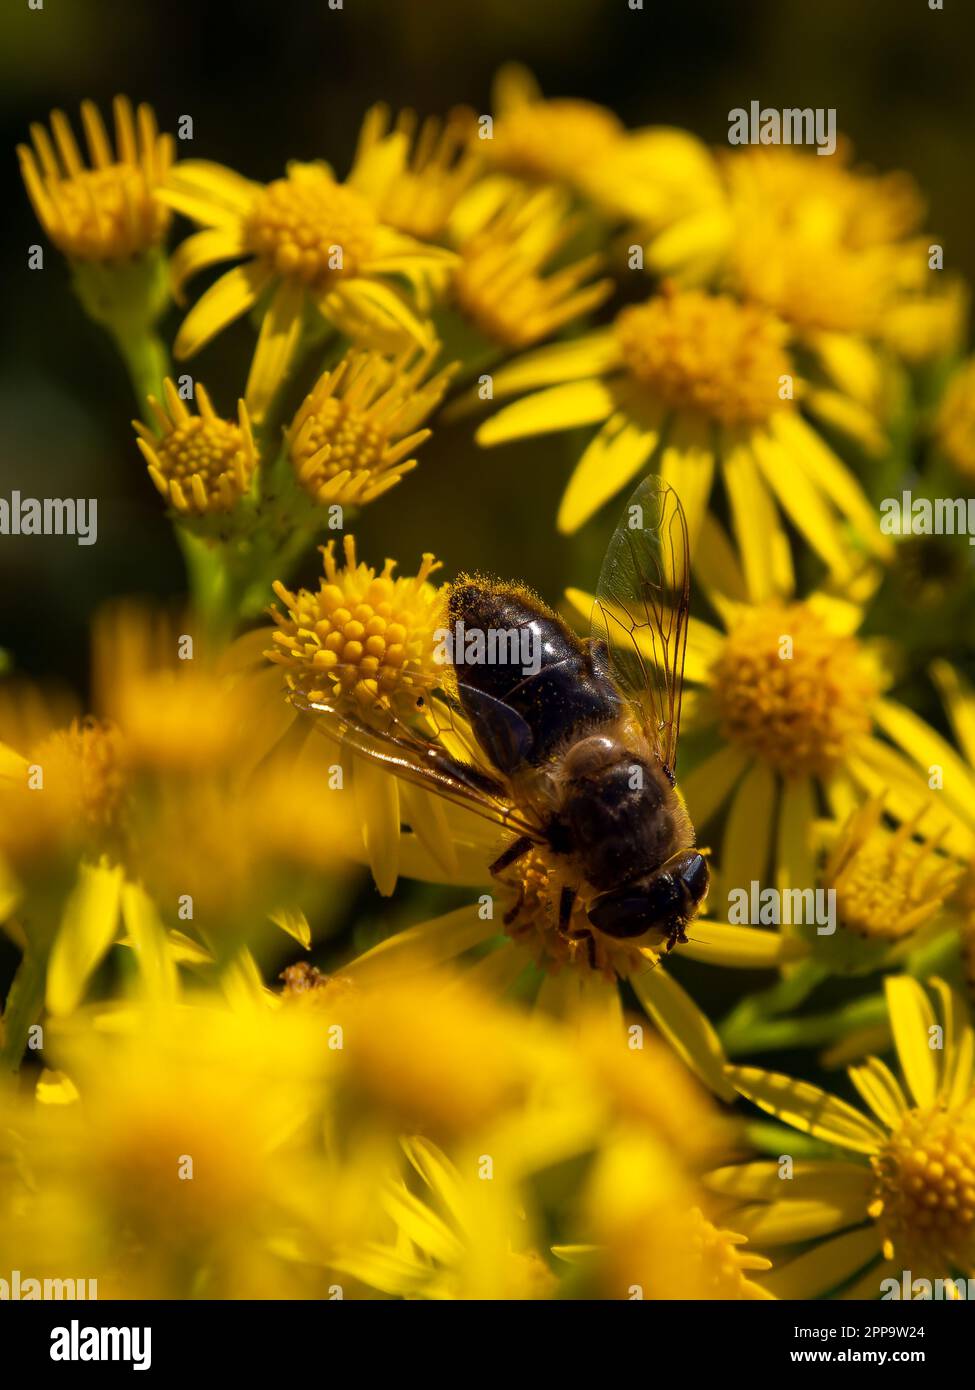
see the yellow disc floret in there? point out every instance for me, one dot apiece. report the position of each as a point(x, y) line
point(706, 354)
point(199, 463)
point(363, 635)
point(311, 228)
point(924, 1196)
point(791, 691)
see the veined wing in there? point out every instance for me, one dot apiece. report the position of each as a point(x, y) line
point(422, 740)
point(639, 622)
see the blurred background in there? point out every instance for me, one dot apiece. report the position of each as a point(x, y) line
point(264, 83)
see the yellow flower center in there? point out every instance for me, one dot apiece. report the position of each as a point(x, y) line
point(532, 919)
point(216, 453)
point(108, 214)
point(888, 888)
point(706, 354)
point(351, 441)
point(83, 766)
point(552, 139)
point(722, 1266)
point(792, 692)
point(955, 423)
point(924, 1197)
point(311, 228)
point(362, 634)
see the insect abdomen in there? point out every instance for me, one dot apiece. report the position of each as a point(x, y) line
point(550, 683)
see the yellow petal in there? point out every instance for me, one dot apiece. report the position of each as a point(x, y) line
point(559, 408)
point(148, 939)
point(377, 805)
point(826, 1266)
point(431, 943)
point(203, 249)
point(741, 948)
point(88, 926)
point(232, 295)
point(911, 1019)
point(754, 521)
point(277, 343)
point(708, 787)
point(807, 1108)
point(619, 451)
point(748, 832)
point(686, 1028)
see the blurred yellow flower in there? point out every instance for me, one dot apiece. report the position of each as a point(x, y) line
point(179, 1153)
point(460, 1237)
point(106, 211)
point(954, 423)
point(416, 179)
point(556, 141)
point(510, 282)
point(833, 249)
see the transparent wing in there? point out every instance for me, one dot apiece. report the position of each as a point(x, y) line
point(423, 738)
point(639, 621)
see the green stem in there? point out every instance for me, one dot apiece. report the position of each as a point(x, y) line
point(146, 361)
point(767, 1035)
point(24, 1003)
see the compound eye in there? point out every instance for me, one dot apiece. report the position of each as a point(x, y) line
point(633, 910)
point(696, 876)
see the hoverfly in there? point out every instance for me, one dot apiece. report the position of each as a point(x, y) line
point(577, 757)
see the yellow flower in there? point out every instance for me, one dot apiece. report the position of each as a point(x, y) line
point(179, 1153)
point(904, 1198)
point(690, 381)
point(64, 785)
point(108, 211)
point(547, 141)
point(459, 1237)
point(954, 774)
point(198, 463)
point(504, 283)
point(351, 439)
point(365, 640)
point(834, 250)
point(954, 424)
point(363, 634)
point(890, 886)
point(306, 240)
point(416, 180)
point(652, 1238)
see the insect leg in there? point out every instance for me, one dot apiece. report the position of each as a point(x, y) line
point(520, 847)
point(566, 901)
point(515, 907)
